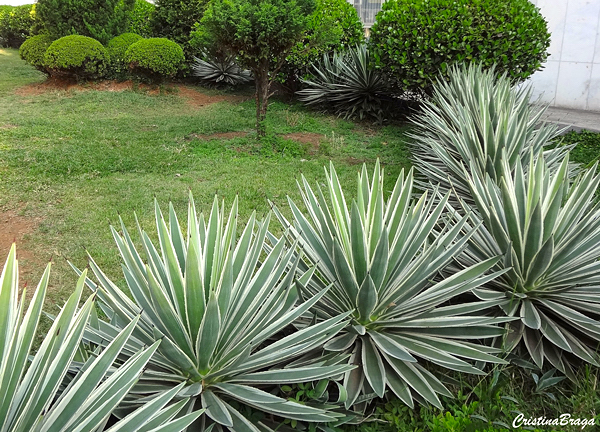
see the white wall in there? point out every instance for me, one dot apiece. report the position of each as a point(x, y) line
point(571, 77)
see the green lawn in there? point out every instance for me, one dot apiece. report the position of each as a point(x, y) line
point(73, 160)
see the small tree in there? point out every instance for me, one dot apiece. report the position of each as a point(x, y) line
point(98, 19)
point(262, 34)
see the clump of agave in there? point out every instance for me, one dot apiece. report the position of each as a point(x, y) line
point(547, 228)
point(220, 69)
point(347, 84)
point(471, 121)
point(33, 397)
point(381, 263)
point(220, 310)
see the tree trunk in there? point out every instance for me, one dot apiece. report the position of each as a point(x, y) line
point(261, 79)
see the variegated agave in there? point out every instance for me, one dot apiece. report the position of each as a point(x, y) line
point(547, 227)
point(470, 121)
point(223, 317)
point(32, 399)
point(380, 259)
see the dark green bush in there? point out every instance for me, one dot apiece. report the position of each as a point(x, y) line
point(78, 57)
point(15, 25)
point(140, 18)
point(117, 47)
point(99, 19)
point(174, 19)
point(334, 26)
point(154, 58)
point(33, 50)
point(415, 40)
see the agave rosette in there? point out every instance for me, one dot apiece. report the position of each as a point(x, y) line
point(348, 83)
point(547, 227)
point(34, 396)
point(221, 314)
point(380, 259)
point(470, 121)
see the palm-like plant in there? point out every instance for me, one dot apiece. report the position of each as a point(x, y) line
point(470, 121)
point(32, 398)
point(380, 259)
point(547, 227)
point(348, 84)
point(217, 308)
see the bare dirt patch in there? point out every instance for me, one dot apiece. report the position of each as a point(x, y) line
point(198, 99)
point(193, 97)
point(222, 135)
point(14, 228)
point(312, 139)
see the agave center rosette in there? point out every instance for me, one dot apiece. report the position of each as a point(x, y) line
point(547, 227)
point(220, 313)
point(470, 121)
point(40, 396)
point(381, 262)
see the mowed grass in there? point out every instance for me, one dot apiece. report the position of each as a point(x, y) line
point(74, 160)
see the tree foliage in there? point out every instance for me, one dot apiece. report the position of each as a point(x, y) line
point(262, 34)
point(99, 19)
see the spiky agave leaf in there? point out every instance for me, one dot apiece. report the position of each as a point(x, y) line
point(216, 308)
point(470, 121)
point(379, 258)
point(30, 399)
point(348, 84)
point(220, 69)
point(547, 227)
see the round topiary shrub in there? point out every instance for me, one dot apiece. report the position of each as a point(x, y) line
point(33, 50)
point(78, 57)
point(154, 58)
point(117, 47)
point(414, 41)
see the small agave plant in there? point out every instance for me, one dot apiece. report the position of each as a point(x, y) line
point(470, 121)
point(348, 84)
point(547, 228)
point(381, 261)
point(34, 398)
point(223, 317)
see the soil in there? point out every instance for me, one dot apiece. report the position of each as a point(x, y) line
point(194, 98)
point(222, 135)
point(14, 228)
point(311, 138)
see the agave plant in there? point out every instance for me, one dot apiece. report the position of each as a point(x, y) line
point(381, 263)
point(223, 317)
point(220, 70)
point(547, 227)
point(32, 398)
point(347, 84)
point(470, 121)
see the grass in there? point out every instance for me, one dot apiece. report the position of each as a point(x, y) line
point(74, 160)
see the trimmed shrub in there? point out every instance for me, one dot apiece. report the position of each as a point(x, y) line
point(415, 40)
point(334, 26)
point(99, 19)
point(140, 18)
point(174, 20)
point(15, 25)
point(117, 47)
point(78, 57)
point(33, 50)
point(154, 58)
